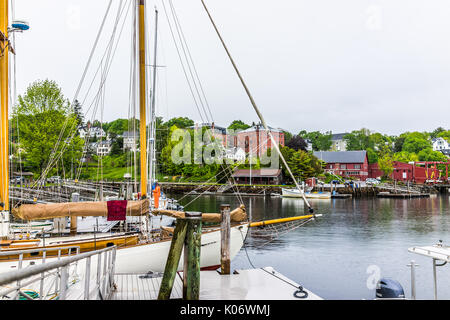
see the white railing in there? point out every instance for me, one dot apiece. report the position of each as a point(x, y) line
point(60, 279)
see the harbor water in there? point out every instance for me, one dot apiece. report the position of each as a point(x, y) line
point(342, 254)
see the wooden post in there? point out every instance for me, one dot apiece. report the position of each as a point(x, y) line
point(173, 260)
point(192, 244)
point(73, 219)
point(225, 239)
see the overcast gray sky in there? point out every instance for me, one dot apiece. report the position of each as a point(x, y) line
point(313, 65)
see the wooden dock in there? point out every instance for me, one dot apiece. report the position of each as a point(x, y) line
point(252, 284)
point(402, 195)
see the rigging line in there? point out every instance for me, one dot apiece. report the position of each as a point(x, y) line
point(183, 45)
point(93, 49)
point(108, 63)
point(98, 68)
point(192, 60)
point(152, 154)
point(53, 160)
point(311, 210)
point(182, 64)
point(131, 84)
point(86, 67)
point(108, 53)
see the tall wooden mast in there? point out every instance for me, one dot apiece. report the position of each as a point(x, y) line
point(4, 140)
point(142, 98)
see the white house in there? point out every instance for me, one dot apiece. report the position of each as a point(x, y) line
point(440, 144)
point(130, 139)
point(93, 132)
point(309, 146)
point(338, 142)
point(103, 148)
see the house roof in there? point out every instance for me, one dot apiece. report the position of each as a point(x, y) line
point(217, 128)
point(338, 136)
point(264, 172)
point(260, 127)
point(341, 156)
point(131, 134)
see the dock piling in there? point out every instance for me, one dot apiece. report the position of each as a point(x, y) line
point(225, 239)
point(187, 235)
point(192, 243)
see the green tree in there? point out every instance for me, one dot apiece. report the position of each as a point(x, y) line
point(238, 125)
point(415, 142)
point(320, 141)
point(405, 157)
point(444, 134)
point(386, 165)
point(430, 155)
point(297, 143)
point(44, 117)
point(372, 156)
point(180, 122)
point(78, 112)
point(303, 165)
point(436, 132)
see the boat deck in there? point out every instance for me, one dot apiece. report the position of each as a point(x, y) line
point(252, 284)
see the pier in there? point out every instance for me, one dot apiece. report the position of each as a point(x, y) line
point(92, 276)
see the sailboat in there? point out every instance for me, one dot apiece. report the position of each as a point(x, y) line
point(142, 251)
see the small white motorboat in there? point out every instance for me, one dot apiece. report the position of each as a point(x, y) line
point(295, 193)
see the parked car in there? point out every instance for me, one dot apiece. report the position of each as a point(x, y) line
point(17, 179)
point(372, 181)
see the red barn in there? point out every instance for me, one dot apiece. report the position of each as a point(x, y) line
point(353, 164)
point(406, 172)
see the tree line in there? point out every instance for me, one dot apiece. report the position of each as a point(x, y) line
point(42, 116)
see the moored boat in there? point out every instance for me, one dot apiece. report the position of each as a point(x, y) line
point(295, 193)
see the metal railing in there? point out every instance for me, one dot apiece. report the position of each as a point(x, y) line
point(55, 280)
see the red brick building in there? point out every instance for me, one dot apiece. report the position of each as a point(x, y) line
point(354, 164)
point(256, 140)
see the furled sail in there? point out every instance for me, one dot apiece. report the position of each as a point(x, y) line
point(237, 215)
point(80, 209)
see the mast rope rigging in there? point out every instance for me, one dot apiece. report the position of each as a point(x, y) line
point(78, 89)
point(311, 210)
point(197, 100)
point(55, 156)
point(183, 38)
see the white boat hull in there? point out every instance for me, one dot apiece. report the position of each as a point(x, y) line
point(294, 193)
point(152, 257)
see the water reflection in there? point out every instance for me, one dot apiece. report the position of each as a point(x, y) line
point(331, 254)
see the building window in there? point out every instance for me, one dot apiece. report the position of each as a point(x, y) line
point(357, 166)
point(343, 166)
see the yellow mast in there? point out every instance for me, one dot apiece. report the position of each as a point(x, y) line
point(142, 98)
point(4, 139)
